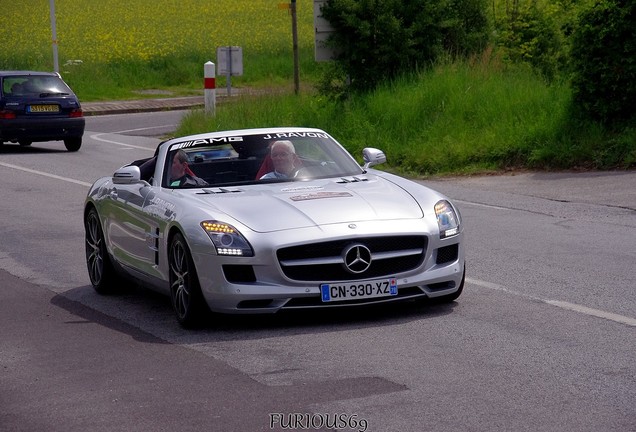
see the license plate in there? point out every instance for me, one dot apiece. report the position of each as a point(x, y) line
point(359, 290)
point(43, 108)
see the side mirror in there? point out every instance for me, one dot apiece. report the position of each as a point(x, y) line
point(372, 156)
point(127, 175)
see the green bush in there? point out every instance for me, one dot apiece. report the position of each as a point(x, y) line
point(530, 33)
point(379, 40)
point(604, 61)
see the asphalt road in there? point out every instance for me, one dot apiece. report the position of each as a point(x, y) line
point(543, 338)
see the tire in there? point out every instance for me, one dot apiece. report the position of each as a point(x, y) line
point(101, 272)
point(454, 296)
point(185, 291)
point(73, 144)
point(25, 143)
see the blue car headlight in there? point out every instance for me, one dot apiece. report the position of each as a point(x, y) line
point(447, 219)
point(226, 239)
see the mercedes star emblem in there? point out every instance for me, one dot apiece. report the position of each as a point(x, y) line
point(357, 258)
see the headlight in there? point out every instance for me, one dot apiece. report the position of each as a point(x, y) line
point(226, 239)
point(446, 219)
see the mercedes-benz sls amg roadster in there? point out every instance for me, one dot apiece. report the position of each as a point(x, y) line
point(261, 220)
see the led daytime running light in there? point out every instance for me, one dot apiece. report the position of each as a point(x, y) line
point(217, 228)
point(226, 251)
point(227, 240)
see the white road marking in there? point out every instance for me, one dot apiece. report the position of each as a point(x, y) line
point(143, 128)
point(97, 137)
point(476, 204)
point(593, 312)
point(79, 182)
point(558, 303)
point(45, 174)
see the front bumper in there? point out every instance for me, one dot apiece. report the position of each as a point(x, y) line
point(267, 299)
point(265, 289)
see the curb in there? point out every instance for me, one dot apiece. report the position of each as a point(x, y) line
point(160, 104)
point(144, 105)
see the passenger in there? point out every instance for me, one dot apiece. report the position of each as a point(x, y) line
point(16, 89)
point(284, 159)
point(181, 175)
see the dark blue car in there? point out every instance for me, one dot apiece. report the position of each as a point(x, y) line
point(39, 106)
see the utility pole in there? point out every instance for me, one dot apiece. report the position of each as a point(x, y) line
point(295, 46)
point(56, 65)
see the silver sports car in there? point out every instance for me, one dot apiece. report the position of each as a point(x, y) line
point(259, 220)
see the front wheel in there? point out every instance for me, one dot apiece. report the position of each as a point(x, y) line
point(185, 291)
point(101, 272)
point(73, 144)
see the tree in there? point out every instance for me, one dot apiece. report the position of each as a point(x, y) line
point(378, 40)
point(604, 61)
point(530, 33)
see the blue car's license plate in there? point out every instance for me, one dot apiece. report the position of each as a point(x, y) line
point(359, 290)
point(43, 108)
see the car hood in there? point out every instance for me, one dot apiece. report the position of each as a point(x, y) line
point(281, 206)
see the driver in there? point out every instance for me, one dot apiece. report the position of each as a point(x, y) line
point(283, 156)
point(180, 174)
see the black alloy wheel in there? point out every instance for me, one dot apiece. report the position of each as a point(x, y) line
point(185, 292)
point(101, 272)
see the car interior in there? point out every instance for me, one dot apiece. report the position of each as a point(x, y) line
point(246, 162)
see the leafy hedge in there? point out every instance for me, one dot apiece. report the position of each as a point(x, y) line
point(379, 40)
point(604, 62)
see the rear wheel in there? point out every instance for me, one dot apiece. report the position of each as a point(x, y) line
point(101, 272)
point(25, 143)
point(73, 144)
point(185, 291)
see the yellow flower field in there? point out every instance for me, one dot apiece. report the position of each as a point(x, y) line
point(105, 31)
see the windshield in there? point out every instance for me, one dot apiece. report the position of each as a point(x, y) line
point(28, 85)
point(257, 158)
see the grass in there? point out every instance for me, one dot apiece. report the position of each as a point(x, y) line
point(458, 118)
point(182, 75)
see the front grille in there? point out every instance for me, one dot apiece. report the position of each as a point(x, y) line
point(320, 262)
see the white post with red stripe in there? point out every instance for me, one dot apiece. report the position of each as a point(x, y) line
point(209, 84)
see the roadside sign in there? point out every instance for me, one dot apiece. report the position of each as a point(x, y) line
point(230, 63)
point(229, 60)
